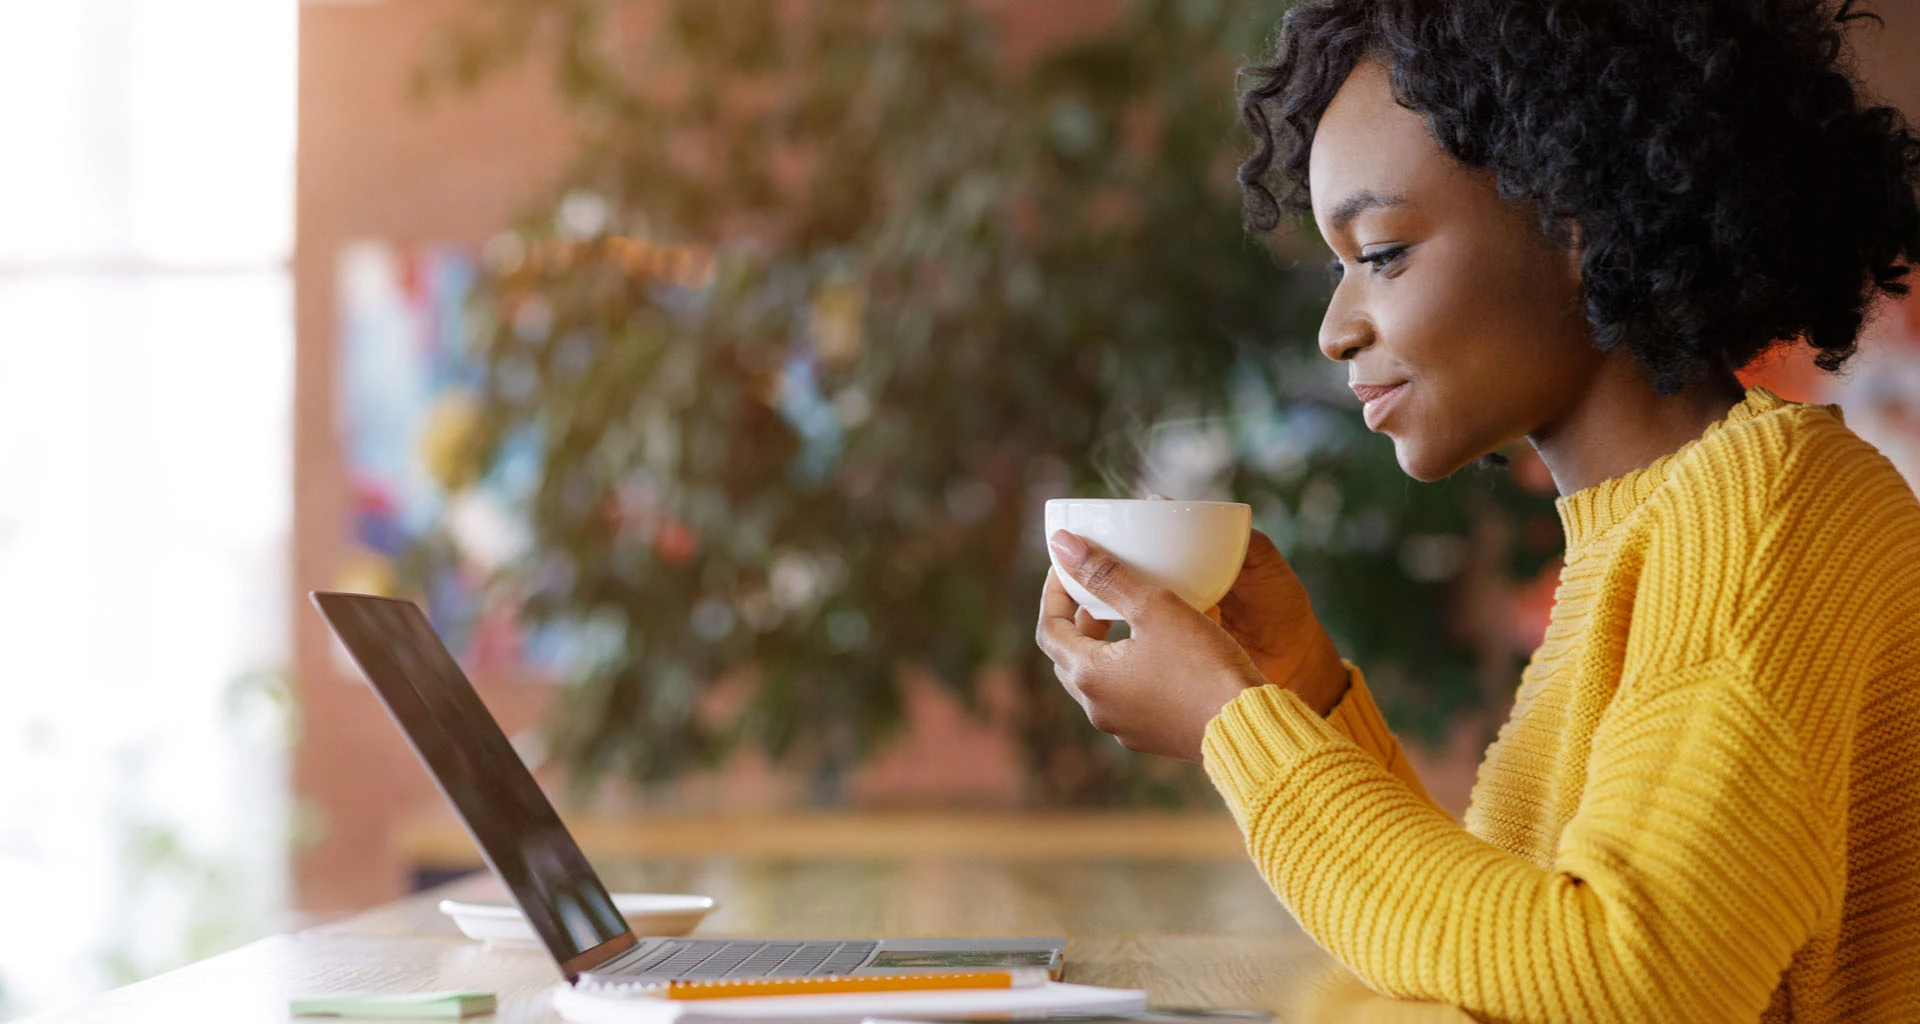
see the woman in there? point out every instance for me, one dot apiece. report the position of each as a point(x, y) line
point(1572, 222)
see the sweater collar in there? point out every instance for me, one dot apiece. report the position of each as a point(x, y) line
point(1586, 515)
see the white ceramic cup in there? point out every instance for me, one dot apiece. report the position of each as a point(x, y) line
point(1193, 548)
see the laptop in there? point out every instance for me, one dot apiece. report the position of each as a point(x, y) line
point(531, 852)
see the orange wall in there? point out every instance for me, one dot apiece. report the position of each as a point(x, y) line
point(373, 164)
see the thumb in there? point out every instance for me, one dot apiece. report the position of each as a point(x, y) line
point(1104, 576)
point(1263, 556)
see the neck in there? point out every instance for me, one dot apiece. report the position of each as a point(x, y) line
point(1621, 423)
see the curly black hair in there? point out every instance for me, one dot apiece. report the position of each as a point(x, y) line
point(1715, 160)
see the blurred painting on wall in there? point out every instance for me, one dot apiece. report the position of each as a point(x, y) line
point(410, 428)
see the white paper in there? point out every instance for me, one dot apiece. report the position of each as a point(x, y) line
point(588, 1007)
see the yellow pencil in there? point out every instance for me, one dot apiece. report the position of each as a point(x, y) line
point(1024, 977)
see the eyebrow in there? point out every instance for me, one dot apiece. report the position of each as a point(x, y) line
point(1353, 205)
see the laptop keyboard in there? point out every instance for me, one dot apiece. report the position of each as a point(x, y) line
point(703, 960)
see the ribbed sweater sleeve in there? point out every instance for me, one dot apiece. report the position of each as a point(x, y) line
point(1679, 891)
point(1359, 719)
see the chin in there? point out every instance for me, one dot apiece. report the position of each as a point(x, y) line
point(1426, 464)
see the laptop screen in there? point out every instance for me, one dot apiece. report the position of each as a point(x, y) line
point(483, 777)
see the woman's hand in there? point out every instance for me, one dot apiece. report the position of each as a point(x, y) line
point(1268, 612)
point(1156, 690)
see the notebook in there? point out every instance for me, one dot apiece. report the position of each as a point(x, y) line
point(615, 1004)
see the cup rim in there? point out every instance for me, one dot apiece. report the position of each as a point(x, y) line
point(1162, 502)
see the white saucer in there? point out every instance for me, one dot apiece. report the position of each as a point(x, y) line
point(648, 913)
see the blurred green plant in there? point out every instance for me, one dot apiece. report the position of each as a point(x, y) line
point(834, 294)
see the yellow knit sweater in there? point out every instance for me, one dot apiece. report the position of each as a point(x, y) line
point(1706, 803)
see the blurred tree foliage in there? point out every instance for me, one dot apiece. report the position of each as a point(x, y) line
point(836, 293)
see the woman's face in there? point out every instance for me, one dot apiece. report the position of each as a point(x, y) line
point(1447, 293)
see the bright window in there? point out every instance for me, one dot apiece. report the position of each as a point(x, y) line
point(146, 344)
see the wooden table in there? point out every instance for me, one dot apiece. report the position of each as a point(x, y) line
point(1193, 933)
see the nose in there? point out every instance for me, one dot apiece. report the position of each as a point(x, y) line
point(1343, 332)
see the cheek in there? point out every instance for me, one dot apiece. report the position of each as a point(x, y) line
point(1440, 320)
point(1447, 339)
point(1485, 349)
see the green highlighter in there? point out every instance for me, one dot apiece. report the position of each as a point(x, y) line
point(444, 1005)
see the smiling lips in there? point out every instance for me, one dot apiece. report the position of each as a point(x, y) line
point(1369, 392)
point(1379, 400)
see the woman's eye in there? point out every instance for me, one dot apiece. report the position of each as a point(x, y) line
point(1382, 258)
